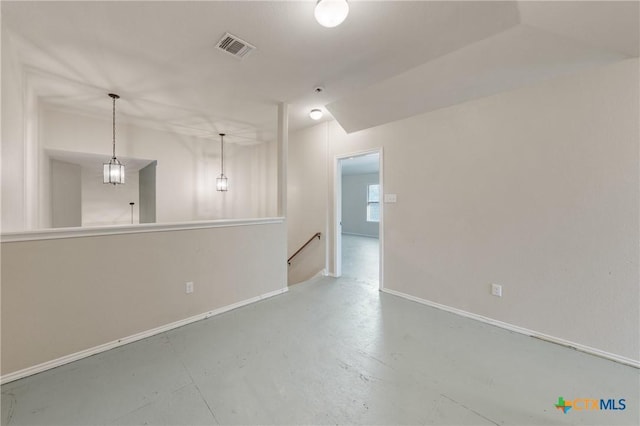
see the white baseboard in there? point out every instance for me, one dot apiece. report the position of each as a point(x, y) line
point(521, 330)
point(130, 339)
point(361, 235)
point(320, 274)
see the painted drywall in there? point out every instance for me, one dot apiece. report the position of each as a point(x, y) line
point(307, 201)
point(12, 182)
point(354, 205)
point(147, 192)
point(186, 166)
point(185, 175)
point(535, 189)
point(66, 194)
point(24, 169)
point(108, 204)
point(63, 296)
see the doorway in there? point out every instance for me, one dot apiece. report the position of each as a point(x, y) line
point(359, 217)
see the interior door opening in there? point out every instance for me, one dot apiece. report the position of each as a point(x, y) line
point(359, 217)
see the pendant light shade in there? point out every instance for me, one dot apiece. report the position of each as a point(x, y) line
point(113, 171)
point(331, 13)
point(222, 183)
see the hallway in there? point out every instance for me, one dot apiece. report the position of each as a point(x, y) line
point(360, 258)
point(329, 351)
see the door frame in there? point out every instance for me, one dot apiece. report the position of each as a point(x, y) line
point(337, 211)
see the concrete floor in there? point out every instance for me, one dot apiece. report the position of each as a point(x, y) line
point(330, 351)
point(360, 259)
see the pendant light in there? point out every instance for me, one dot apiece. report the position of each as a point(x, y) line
point(331, 13)
point(113, 171)
point(222, 183)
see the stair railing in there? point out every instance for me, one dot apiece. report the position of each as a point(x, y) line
point(316, 235)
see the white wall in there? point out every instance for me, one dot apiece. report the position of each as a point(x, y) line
point(66, 190)
point(20, 177)
point(13, 173)
point(536, 189)
point(307, 200)
point(109, 204)
point(60, 297)
point(354, 205)
point(186, 170)
point(147, 192)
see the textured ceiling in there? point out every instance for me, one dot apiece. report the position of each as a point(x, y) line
point(387, 61)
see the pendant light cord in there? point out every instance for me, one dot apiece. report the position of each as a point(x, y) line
point(114, 127)
point(222, 154)
point(114, 97)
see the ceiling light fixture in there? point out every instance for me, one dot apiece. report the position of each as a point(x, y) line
point(222, 183)
point(331, 13)
point(315, 114)
point(113, 171)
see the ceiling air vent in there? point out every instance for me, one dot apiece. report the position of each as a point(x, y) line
point(235, 46)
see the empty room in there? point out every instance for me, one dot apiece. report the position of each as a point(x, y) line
point(320, 212)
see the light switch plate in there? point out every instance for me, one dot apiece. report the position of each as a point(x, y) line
point(390, 198)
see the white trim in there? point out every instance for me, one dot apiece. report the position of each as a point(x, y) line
point(546, 337)
point(60, 233)
point(282, 157)
point(382, 220)
point(337, 217)
point(130, 339)
point(328, 200)
point(360, 235)
point(320, 274)
point(337, 211)
point(31, 152)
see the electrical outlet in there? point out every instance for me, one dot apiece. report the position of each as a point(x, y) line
point(188, 287)
point(496, 290)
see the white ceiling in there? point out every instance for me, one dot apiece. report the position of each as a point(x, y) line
point(388, 60)
point(95, 161)
point(360, 165)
